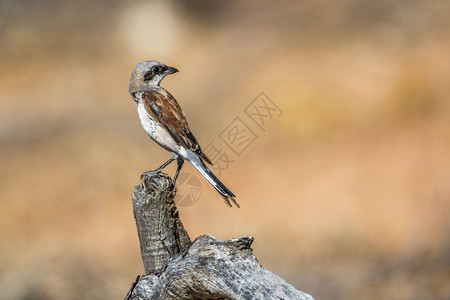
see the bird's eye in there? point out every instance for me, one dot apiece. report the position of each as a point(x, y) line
point(156, 69)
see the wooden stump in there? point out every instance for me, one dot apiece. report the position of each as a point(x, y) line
point(204, 269)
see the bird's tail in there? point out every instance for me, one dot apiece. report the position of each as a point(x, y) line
point(226, 194)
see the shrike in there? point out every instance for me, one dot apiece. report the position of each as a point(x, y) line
point(164, 121)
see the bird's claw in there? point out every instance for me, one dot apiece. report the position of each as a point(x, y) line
point(172, 187)
point(145, 176)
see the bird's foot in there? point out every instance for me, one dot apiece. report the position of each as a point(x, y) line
point(145, 176)
point(173, 187)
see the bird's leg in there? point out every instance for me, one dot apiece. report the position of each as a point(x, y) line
point(180, 162)
point(154, 172)
point(165, 164)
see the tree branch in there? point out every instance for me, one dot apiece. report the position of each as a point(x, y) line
point(161, 234)
point(204, 269)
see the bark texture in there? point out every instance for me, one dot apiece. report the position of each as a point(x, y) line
point(204, 269)
point(161, 234)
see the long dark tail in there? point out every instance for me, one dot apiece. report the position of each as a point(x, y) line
point(227, 195)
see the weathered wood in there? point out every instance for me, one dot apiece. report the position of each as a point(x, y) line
point(204, 269)
point(161, 233)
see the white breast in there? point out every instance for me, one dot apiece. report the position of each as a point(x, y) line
point(155, 130)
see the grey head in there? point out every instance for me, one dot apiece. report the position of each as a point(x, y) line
point(148, 74)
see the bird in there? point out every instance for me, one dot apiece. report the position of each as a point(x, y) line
point(165, 123)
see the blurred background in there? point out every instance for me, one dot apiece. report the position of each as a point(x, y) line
point(347, 193)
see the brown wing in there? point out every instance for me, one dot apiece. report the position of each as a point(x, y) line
point(163, 107)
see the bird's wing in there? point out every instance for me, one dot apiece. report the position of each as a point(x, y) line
point(163, 107)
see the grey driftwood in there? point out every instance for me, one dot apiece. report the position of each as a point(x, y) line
point(206, 268)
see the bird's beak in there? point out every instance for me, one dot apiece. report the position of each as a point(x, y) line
point(171, 70)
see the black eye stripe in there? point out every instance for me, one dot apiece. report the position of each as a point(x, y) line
point(155, 70)
point(148, 75)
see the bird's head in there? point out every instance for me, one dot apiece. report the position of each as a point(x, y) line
point(148, 74)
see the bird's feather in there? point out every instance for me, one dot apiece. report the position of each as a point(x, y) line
point(163, 107)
